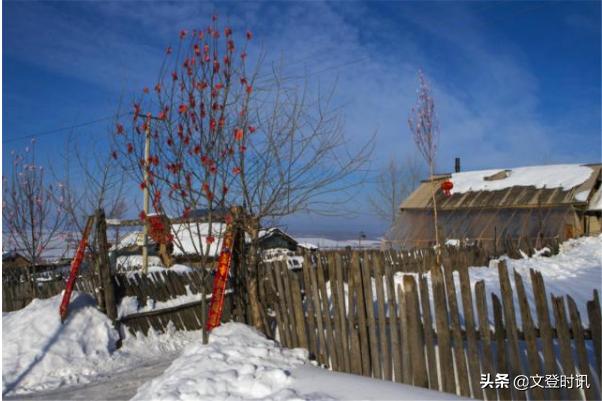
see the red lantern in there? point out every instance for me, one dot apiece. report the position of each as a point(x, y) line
point(447, 186)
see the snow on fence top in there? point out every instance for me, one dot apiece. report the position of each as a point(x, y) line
point(565, 176)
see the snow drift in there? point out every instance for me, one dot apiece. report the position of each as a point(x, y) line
point(239, 363)
point(39, 352)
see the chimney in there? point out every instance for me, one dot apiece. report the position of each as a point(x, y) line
point(457, 167)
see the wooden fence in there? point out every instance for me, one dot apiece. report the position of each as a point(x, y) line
point(168, 288)
point(164, 287)
point(17, 295)
point(424, 335)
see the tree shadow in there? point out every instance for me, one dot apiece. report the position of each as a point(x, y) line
point(77, 304)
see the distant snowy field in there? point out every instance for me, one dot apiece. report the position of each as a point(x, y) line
point(327, 243)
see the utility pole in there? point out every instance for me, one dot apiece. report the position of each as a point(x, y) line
point(146, 198)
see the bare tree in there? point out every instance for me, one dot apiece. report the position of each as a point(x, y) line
point(296, 160)
point(89, 180)
point(223, 136)
point(193, 118)
point(30, 215)
point(424, 127)
point(394, 183)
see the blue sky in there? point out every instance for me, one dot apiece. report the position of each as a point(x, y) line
point(515, 83)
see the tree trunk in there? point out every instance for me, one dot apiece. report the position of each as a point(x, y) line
point(437, 247)
point(258, 319)
point(106, 279)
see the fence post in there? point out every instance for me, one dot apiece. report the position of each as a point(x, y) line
point(107, 290)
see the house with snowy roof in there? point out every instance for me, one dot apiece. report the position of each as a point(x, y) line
point(190, 240)
point(525, 206)
point(57, 253)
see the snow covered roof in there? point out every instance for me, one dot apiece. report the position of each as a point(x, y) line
point(565, 176)
point(61, 246)
point(189, 239)
point(268, 234)
point(552, 185)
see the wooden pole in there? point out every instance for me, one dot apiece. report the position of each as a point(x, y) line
point(146, 199)
point(108, 291)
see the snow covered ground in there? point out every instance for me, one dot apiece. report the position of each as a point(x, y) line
point(39, 353)
point(114, 385)
point(576, 271)
point(44, 359)
point(241, 364)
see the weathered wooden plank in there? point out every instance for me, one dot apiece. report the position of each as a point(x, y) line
point(311, 319)
point(564, 341)
point(361, 313)
point(488, 367)
point(580, 346)
point(471, 338)
point(339, 290)
point(385, 354)
point(332, 353)
point(178, 321)
point(298, 311)
point(416, 338)
point(166, 283)
point(595, 324)
point(369, 300)
point(178, 282)
point(545, 329)
point(511, 330)
point(189, 319)
point(199, 315)
point(322, 350)
point(283, 323)
point(406, 360)
point(393, 323)
point(500, 342)
point(456, 329)
point(138, 290)
point(285, 277)
point(530, 336)
point(338, 343)
point(355, 348)
point(429, 338)
point(448, 380)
